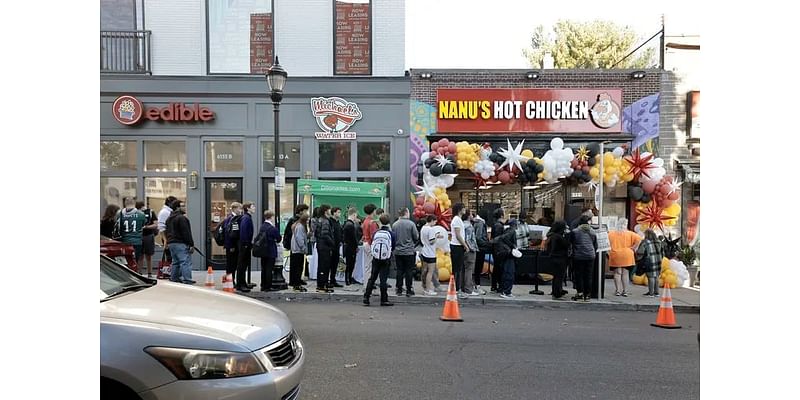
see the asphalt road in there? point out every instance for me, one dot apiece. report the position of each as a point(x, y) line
point(406, 352)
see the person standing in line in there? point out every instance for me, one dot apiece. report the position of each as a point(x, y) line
point(651, 250)
point(468, 284)
point(584, 244)
point(406, 236)
point(336, 229)
point(181, 244)
point(621, 257)
point(148, 237)
point(299, 210)
point(232, 231)
point(245, 248)
point(108, 221)
point(522, 231)
point(384, 243)
point(484, 247)
point(350, 238)
point(312, 233)
point(498, 228)
point(163, 214)
point(505, 244)
point(558, 247)
point(458, 246)
point(131, 224)
point(298, 248)
point(368, 228)
point(272, 238)
point(429, 237)
point(324, 239)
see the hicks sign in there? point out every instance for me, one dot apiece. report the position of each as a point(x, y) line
point(128, 110)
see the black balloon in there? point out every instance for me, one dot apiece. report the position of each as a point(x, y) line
point(645, 198)
point(594, 149)
point(436, 170)
point(531, 163)
point(429, 162)
point(635, 192)
point(449, 169)
point(591, 162)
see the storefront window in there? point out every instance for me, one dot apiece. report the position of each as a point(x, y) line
point(240, 36)
point(158, 189)
point(117, 156)
point(334, 156)
point(287, 202)
point(113, 190)
point(290, 155)
point(224, 156)
point(165, 156)
point(374, 156)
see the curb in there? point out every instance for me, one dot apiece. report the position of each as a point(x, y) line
point(594, 305)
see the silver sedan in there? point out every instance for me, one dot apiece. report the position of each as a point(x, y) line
point(160, 340)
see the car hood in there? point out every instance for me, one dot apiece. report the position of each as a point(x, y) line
point(221, 315)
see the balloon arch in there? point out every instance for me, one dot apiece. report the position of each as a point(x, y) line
point(654, 192)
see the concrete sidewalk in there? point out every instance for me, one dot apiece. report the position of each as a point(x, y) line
point(686, 300)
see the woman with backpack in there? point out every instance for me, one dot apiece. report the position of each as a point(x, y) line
point(298, 252)
point(651, 252)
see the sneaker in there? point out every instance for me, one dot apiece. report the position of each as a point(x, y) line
point(617, 294)
point(462, 295)
point(429, 293)
point(505, 296)
point(399, 292)
point(656, 294)
point(585, 299)
point(577, 297)
point(474, 293)
point(322, 290)
point(299, 289)
point(624, 294)
point(410, 293)
point(386, 304)
point(648, 294)
point(366, 301)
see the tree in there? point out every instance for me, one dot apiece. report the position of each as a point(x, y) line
point(594, 44)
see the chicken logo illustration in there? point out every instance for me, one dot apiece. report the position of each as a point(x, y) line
point(334, 114)
point(605, 113)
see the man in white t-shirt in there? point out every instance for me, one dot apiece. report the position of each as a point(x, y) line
point(458, 245)
point(428, 236)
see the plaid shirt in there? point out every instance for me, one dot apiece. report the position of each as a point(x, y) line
point(653, 253)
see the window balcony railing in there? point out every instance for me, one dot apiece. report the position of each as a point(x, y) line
point(125, 52)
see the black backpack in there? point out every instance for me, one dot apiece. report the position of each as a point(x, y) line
point(219, 234)
point(260, 244)
point(287, 233)
point(232, 228)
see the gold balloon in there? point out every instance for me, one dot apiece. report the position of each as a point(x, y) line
point(527, 153)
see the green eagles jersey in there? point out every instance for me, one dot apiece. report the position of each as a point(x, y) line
point(130, 226)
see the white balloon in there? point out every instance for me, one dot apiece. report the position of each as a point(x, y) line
point(442, 242)
point(448, 180)
point(424, 156)
point(557, 143)
point(618, 152)
point(658, 162)
point(485, 175)
point(612, 183)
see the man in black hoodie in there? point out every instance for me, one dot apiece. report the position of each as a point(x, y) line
point(181, 244)
point(336, 229)
point(324, 239)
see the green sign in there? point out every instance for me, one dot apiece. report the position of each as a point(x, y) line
point(341, 188)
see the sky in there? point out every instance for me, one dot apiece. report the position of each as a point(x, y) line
point(492, 34)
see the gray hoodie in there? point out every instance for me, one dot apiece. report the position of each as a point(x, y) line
point(584, 242)
point(299, 243)
point(407, 237)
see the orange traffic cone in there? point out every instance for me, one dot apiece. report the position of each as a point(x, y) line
point(666, 317)
point(450, 312)
point(227, 283)
point(210, 278)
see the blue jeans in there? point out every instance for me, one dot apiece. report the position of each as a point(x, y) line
point(508, 275)
point(181, 263)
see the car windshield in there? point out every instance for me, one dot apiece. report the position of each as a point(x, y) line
point(115, 279)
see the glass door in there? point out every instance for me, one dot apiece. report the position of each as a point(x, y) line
point(288, 199)
point(220, 193)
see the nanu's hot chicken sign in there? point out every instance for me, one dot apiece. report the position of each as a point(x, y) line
point(529, 110)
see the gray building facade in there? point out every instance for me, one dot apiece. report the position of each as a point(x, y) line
point(229, 157)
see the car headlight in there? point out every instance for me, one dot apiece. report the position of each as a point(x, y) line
point(206, 364)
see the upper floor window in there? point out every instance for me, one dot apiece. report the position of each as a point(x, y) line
point(240, 36)
point(352, 41)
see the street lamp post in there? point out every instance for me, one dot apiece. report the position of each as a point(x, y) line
point(276, 79)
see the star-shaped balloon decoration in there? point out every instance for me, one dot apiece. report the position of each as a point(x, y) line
point(591, 185)
point(582, 154)
point(639, 165)
point(513, 156)
point(443, 216)
point(653, 215)
point(674, 185)
point(442, 160)
point(425, 190)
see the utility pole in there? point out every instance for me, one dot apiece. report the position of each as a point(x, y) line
point(661, 48)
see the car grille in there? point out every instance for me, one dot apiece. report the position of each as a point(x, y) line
point(292, 395)
point(284, 353)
